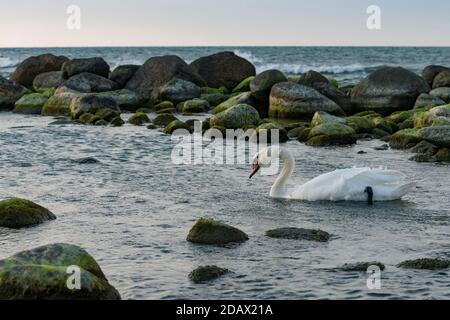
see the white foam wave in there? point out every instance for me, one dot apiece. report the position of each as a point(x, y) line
point(249, 56)
point(301, 68)
point(6, 62)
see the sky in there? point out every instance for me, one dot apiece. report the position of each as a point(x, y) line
point(43, 23)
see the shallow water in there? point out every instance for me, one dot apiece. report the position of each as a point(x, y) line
point(132, 212)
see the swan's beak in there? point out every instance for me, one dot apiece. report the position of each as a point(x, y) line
point(255, 169)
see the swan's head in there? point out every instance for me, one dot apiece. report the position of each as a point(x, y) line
point(264, 159)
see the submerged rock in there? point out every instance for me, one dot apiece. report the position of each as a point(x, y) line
point(164, 119)
point(271, 133)
point(299, 234)
point(236, 117)
point(175, 125)
point(117, 122)
point(207, 273)
point(87, 160)
point(425, 264)
point(208, 231)
point(361, 266)
point(18, 213)
point(139, 119)
point(43, 273)
point(89, 103)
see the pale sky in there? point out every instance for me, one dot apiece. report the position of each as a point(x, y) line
point(42, 23)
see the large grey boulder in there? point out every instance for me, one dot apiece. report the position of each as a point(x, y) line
point(442, 80)
point(438, 135)
point(387, 90)
point(236, 117)
point(122, 74)
point(262, 84)
point(96, 66)
point(48, 80)
point(91, 103)
point(441, 93)
point(31, 67)
point(59, 103)
point(178, 90)
point(10, 92)
point(427, 100)
point(430, 72)
point(89, 82)
point(295, 101)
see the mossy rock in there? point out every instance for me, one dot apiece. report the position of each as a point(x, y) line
point(422, 158)
point(295, 133)
point(214, 99)
point(86, 118)
point(42, 273)
point(236, 117)
point(139, 119)
point(117, 122)
point(164, 105)
point(405, 139)
point(244, 86)
point(321, 117)
point(443, 155)
point(425, 264)
point(207, 273)
point(243, 98)
point(383, 124)
point(424, 147)
point(196, 106)
point(361, 266)
point(407, 124)
point(331, 133)
point(299, 234)
point(271, 133)
point(164, 119)
point(368, 114)
point(101, 122)
point(18, 213)
point(144, 110)
point(400, 116)
point(208, 231)
point(360, 124)
point(175, 125)
point(208, 90)
point(303, 134)
point(107, 114)
point(32, 103)
point(170, 110)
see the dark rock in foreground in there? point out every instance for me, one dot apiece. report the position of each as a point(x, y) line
point(10, 92)
point(299, 234)
point(95, 65)
point(207, 273)
point(208, 231)
point(122, 74)
point(430, 72)
point(425, 264)
point(18, 213)
point(361, 266)
point(43, 273)
point(87, 160)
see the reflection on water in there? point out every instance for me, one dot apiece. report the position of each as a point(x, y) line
point(132, 212)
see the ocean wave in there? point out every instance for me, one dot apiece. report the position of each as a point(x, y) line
point(290, 68)
point(249, 56)
point(6, 62)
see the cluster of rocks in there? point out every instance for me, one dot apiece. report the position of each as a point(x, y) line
point(43, 272)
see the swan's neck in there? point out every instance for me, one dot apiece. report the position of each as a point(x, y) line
point(279, 187)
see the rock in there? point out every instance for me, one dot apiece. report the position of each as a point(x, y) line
point(223, 69)
point(48, 80)
point(139, 118)
point(244, 86)
point(442, 80)
point(400, 116)
point(331, 133)
point(163, 119)
point(178, 90)
point(96, 66)
point(117, 122)
point(87, 160)
point(427, 100)
point(125, 99)
point(422, 158)
point(322, 117)
point(10, 92)
point(32, 103)
point(441, 93)
point(383, 147)
point(312, 79)
point(443, 155)
point(336, 95)
point(243, 98)
point(271, 133)
point(31, 67)
point(438, 135)
point(208, 231)
point(236, 117)
point(207, 273)
point(360, 124)
point(425, 264)
point(196, 106)
point(175, 125)
point(88, 103)
point(215, 99)
point(122, 74)
point(432, 117)
point(164, 106)
point(158, 71)
point(387, 90)
point(59, 104)
point(424, 147)
point(89, 82)
point(294, 133)
point(361, 266)
point(42, 273)
point(383, 124)
point(430, 72)
point(208, 90)
point(295, 101)
point(262, 84)
point(107, 114)
point(299, 234)
point(18, 213)
point(101, 122)
point(405, 139)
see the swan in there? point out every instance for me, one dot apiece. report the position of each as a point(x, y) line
point(355, 184)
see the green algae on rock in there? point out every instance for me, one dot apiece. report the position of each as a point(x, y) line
point(207, 273)
point(164, 119)
point(18, 213)
point(425, 264)
point(361, 266)
point(139, 119)
point(236, 117)
point(208, 231)
point(331, 133)
point(299, 234)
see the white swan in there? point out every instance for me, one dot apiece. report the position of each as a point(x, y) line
point(356, 184)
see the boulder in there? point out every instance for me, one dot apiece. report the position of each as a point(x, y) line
point(48, 80)
point(214, 99)
point(432, 117)
point(405, 139)
point(223, 69)
point(387, 90)
point(271, 133)
point(32, 103)
point(196, 106)
point(208, 231)
point(163, 119)
point(18, 213)
point(89, 103)
point(441, 93)
point(427, 100)
point(322, 117)
point(425, 147)
point(89, 82)
point(207, 273)
point(10, 92)
point(336, 95)
point(425, 264)
point(179, 90)
point(244, 86)
point(96, 66)
point(360, 124)
point(175, 125)
point(43, 273)
point(430, 72)
point(312, 79)
point(438, 135)
point(442, 80)
point(262, 84)
point(361, 266)
point(31, 67)
point(236, 117)
point(122, 74)
point(139, 119)
point(299, 234)
point(443, 155)
point(59, 104)
point(295, 101)
point(243, 98)
point(125, 99)
point(116, 122)
point(158, 71)
point(331, 133)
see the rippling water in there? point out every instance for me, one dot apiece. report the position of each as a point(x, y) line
point(132, 212)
